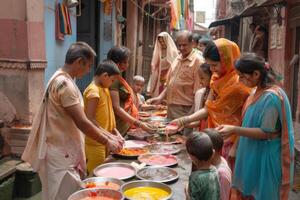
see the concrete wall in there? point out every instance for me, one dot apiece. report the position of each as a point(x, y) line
point(277, 54)
point(56, 50)
point(22, 55)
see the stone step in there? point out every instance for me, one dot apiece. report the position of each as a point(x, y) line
point(8, 167)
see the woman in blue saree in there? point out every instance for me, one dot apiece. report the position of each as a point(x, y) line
point(265, 154)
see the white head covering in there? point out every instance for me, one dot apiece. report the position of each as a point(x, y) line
point(156, 67)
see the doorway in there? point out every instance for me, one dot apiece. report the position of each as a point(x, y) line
point(87, 31)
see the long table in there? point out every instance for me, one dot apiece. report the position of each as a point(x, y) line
point(183, 168)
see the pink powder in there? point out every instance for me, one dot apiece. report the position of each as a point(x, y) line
point(115, 172)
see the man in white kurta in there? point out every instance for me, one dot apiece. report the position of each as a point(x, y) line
point(55, 148)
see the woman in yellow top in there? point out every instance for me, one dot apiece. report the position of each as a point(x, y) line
point(98, 108)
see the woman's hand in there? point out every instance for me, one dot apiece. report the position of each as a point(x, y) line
point(118, 135)
point(147, 127)
point(154, 101)
point(114, 145)
point(226, 130)
point(179, 123)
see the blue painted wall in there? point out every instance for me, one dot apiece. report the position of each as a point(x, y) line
point(104, 44)
point(55, 49)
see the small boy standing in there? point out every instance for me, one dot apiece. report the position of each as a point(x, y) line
point(99, 110)
point(220, 163)
point(203, 183)
point(137, 87)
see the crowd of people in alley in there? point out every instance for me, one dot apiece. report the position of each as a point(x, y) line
point(230, 106)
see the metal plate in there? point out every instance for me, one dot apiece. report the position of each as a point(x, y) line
point(158, 174)
point(101, 180)
point(135, 144)
point(135, 184)
point(149, 157)
point(159, 119)
point(138, 134)
point(164, 148)
point(131, 156)
point(163, 139)
point(116, 164)
point(79, 195)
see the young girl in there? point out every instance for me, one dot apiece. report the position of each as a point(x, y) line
point(265, 153)
point(202, 94)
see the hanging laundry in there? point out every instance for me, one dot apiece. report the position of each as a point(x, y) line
point(62, 22)
point(58, 33)
point(107, 6)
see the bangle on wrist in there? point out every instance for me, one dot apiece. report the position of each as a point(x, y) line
point(105, 141)
point(137, 123)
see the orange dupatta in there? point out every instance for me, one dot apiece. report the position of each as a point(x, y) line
point(129, 106)
point(287, 156)
point(230, 95)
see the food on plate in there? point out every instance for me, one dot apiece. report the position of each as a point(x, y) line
point(164, 148)
point(161, 113)
point(102, 194)
point(158, 174)
point(158, 124)
point(171, 129)
point(99, 198)
point(162, 138)
point(138, 134)
point(161, 107)
point(144, 114)
point(158, 159)
point(146, 193)
point(115, 172)
point(135, 144)
point(104, 185)
point(132, 151)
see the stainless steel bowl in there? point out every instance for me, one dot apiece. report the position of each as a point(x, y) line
point(116, 164)
point(164, 148)
point(159, 119)
point(148, 155)
point(158, 174)
point(101, 180)
point(79, 195)
point(135, 184)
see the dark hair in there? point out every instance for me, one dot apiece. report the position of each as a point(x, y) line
point(118, 54)
point(107, 67)
point(249, 62)
point(216, 138)
point(262, 29)
point(252, 24)
point(199, 145)
point(206, 68)
point(79, 50)
point(204, 41)
point(211, 52)
point(196, 37)
point(187, 33)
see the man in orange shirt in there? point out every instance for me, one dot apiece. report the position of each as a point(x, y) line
point(183, 80)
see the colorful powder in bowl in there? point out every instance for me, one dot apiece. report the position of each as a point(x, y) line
point(147, 193)
point(120, 171)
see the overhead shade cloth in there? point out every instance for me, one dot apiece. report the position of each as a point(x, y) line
point(222, 21)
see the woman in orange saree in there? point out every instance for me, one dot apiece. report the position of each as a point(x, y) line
point(265, 154)
point(123, 96)
point(227, 96)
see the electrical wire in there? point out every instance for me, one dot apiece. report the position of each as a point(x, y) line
point(148, 14)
